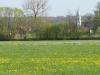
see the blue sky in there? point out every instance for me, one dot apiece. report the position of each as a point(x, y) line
point(59, 7)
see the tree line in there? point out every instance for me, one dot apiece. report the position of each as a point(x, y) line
point(31, 24)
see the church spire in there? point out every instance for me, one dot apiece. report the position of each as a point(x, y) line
point(78, 18)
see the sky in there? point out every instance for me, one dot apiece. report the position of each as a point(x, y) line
point(59, 7)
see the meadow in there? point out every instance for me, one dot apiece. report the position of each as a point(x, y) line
point(50, 57)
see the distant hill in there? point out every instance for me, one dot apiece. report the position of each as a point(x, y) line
point(58, 19)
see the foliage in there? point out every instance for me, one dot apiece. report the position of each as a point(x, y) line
point(16, 25)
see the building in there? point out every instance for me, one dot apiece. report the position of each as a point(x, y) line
point(78, 18)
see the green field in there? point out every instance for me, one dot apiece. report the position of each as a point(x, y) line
point(50, 58)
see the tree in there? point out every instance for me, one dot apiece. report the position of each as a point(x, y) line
point(38, 7)
point(96, 19)
point(10, 19)
point(72, 27)
point(18, 22)
point(97, 15)
point(6, 20)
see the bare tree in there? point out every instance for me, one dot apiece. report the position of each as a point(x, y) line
point(38, 7)
point(37, 12)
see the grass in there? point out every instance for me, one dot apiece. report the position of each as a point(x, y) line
point(50, 58)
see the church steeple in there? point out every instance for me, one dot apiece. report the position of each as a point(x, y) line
point(78, 18)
